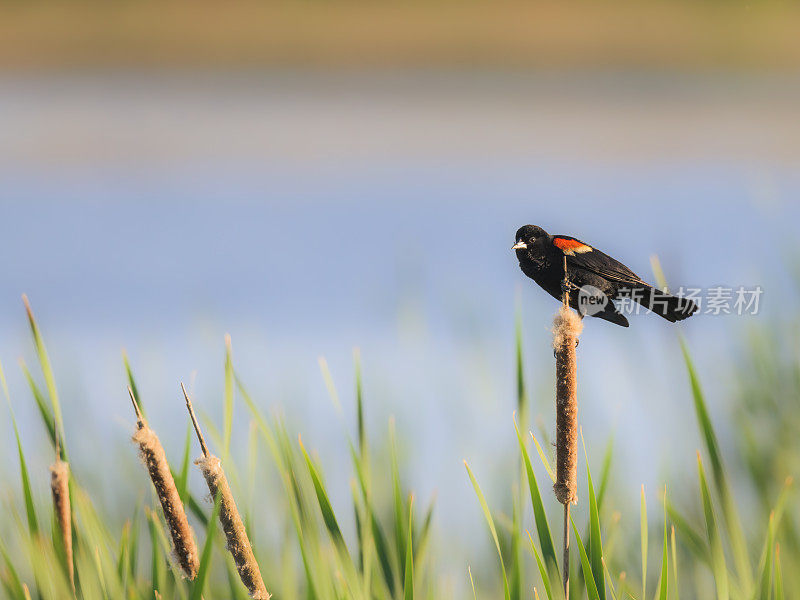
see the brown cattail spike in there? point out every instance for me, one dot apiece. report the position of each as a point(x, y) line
point(59, 486)
point(238, 543)
point(567, 326)
point(152, 453)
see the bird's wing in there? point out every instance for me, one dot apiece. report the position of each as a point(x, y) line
point(582, 255)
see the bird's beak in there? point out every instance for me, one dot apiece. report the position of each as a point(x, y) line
point(519, 246)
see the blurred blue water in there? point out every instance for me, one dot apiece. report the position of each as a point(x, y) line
point(157, 216)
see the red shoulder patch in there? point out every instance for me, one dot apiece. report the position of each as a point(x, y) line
point(568, 246)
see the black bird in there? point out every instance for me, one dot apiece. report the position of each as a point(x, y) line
point(594, 278)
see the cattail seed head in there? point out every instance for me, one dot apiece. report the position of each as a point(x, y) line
point(238, 543)
point(567, 326)
point(152, 453)
point(236, 535)
point(59, 486)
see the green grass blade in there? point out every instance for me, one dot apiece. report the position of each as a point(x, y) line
point(41, 404)
point(695, 542)
point(328, 516)
point(332, 525)
point(539, 515)
point(307, 546)
point(595, 541)
point(30, 510)
point(362, 432)
point(366, 546)
point(779, 594)
point(124, 553)
point(425, 529)
point(205, 555)
point(719, 568)
point(182, 480)
point(674, 564)
point(408, 585)
point(522, 394)
point(588, 576)
point(384, 555)
point(252, 473)
point(280, 448)
point(155, 555)
point(378, 535)
point(47, 371)
point(517, 567)
point(765, 575)
point(543, 574)
point(610, 581)
point(132, 381)
point(518, 506)
point(605, 473)
point(133, 544)
point(472, 583)
point(490, 521)
point(329, 384)
point(227, 425)
point(729, 512)
point(196, 509)
point(544, 460)
point(663, 578)
point(100, 575)
point(400, 532)
point(14, 582)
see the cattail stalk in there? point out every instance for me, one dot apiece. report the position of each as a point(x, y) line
point(152, 453)
point(59, 486)
point(567, 326)
point(238, 543)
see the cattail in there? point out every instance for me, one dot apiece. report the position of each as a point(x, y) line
point(152, 453)
point(567, 326)
point(59, 486)
point(238, 543)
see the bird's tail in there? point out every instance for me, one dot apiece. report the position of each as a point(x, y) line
point(672, 308)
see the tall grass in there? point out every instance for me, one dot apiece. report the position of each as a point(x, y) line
point(380, 544)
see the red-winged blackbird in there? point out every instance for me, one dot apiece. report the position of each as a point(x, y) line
point(594, 278)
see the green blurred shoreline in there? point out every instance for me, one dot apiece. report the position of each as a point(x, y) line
point(362, 33)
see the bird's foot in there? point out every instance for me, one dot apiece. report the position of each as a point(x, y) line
point(577, 342)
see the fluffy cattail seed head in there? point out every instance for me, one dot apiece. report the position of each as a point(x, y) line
point(567, 326)
point(236, 535)
point(154, 458)
point(238, 543)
